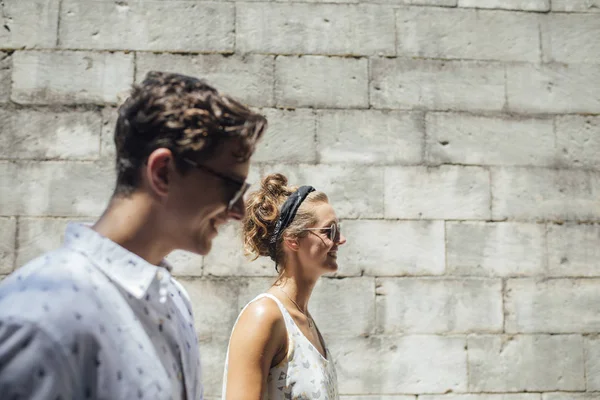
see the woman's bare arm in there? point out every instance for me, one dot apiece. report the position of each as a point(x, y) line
point(258, 341)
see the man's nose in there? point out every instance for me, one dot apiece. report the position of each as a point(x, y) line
point(238, 211)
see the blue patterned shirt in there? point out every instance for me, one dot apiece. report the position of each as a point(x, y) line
point(92, 320)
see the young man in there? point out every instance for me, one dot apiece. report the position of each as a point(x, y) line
point(102, 317)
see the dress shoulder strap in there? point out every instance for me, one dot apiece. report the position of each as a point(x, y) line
point(276, 300)
point(286, 315)
point(287, 318)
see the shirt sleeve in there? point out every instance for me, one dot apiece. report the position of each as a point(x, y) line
point(32, 365)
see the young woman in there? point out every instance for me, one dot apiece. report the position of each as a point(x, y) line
point(276, 350)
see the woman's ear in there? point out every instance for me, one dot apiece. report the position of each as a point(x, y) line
point(291, 243)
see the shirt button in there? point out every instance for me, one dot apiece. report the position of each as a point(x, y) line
point(179, 376)
point(159, 275)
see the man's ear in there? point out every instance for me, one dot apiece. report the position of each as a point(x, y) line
point(291, 243)
point(158, 170)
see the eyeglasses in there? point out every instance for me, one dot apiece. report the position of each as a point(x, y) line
point(241, 187)
point(334, 232)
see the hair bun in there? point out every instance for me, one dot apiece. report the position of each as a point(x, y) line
point(262, 212)
point(275, 185)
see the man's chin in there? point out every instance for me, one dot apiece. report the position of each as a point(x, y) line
point(205, 247)
point(201, 246)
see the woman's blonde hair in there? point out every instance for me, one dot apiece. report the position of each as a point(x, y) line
point(262, 213)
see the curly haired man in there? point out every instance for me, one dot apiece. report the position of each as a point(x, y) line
point(102, 317)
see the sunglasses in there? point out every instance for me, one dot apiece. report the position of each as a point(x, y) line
point(240, 187)
point(333, 232)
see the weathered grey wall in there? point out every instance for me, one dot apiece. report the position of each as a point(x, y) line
point(461, 147)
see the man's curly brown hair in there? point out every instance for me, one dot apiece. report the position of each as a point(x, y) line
point(185, 115)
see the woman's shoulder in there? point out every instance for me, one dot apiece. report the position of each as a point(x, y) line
point(263, 315)
point(264, 309)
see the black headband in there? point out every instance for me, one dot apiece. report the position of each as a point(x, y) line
point(286, 216)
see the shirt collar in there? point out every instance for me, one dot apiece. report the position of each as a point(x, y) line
point(128, 270)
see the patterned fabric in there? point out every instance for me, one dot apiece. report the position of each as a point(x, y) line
point(92, 320)
point(304, 374)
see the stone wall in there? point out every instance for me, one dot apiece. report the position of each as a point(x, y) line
point(459, 141)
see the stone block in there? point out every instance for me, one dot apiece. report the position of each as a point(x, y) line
point(353, 191)
point(571, 396)
point(214, 304)
point(325, 82)
point(553, 88)
point(552, 306)
point(8, 232)
point(290, 137)
point(332, 29)
point(227, 256)
point(592, 366)
point(29, 24)
point(247, 78)
point(531, 363)
point(41, 235)
point(392, 248)
point(576, 6)
point(31, 134)
point(573, 250)
point(545, 194)
point(213, 352)
point(185, 263)
point(5, 76)
point(446, 192)
point(477, 140)
point(412, 305)
point(406, 364)
point(578, 141)
point(486, 396)
point(520, 5)
point(52, 188)
point(344, 307)
point(436, 84)
point(107, 142)
point(467, 34)
point(148, 25)
point(566, 38)
point(370, 137)
point(70, 77)
point(495, 249)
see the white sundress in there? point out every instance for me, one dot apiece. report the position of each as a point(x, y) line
point(304, 374)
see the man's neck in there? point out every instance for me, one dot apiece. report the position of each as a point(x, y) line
point(131, 223)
